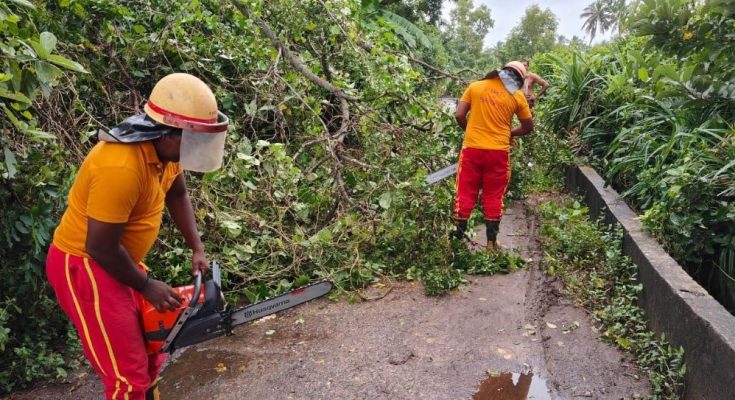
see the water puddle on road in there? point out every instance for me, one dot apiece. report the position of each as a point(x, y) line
point(512, 386)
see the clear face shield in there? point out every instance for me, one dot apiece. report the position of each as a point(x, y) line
point(203, 145)
point(202, 152)
point(509, 81)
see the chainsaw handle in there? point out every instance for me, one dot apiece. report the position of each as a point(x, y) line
point(197, 290)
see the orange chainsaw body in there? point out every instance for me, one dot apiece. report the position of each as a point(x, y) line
point(157, 325)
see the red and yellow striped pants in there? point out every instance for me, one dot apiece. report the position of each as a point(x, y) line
point(107, 317)
point(488, 170)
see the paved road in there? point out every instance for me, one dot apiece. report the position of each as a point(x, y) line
point(473, 343)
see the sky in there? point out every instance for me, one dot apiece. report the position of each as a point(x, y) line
point(508, 13)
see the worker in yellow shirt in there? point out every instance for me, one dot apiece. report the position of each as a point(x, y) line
point(484, 161)
point(113, 217)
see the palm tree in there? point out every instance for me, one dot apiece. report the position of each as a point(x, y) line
point(597, 16)
point(618, 13)
point(604, 15)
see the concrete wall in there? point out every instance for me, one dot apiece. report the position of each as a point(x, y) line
point(675, 304)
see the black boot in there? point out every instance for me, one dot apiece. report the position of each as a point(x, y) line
point(152, 392)
point(491, 231)
point(461, 228)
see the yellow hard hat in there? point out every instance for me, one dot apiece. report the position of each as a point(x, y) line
point(517, 66)
point(184, 101)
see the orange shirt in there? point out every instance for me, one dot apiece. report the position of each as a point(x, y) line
point(491, 114)
point(118, 183)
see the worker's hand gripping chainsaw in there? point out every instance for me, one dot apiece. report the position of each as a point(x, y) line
point(203, 314)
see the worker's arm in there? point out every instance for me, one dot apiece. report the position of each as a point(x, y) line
point(103, 244)
point(182, 212)
point(461, 114)
point(525, 128)
point(544, 85)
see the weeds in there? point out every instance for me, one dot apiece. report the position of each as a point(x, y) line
point(588, 258)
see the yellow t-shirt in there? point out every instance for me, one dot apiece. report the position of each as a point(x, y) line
point(491, 114)
point(118, 183)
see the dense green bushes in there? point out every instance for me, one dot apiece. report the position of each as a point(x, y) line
point(654, 112)
point(33, 176)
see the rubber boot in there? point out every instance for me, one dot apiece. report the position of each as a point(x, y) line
point(461, 228)
point(152, 393)
point(491, 230)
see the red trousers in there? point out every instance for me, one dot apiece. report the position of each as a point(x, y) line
point(107, 317)
point(488, 170)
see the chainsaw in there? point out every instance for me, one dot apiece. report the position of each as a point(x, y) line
point(442, 174)
point(203, 313)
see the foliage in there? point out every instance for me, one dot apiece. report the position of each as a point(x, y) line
point(700, 38)
point(464, 38)
point(538, 160)
point(408, 31)
point(440, 281)
point(465, 260)
point(428, 11)
point(535, 33)
point(588, 258)
point(655, 113)
point(32, 185)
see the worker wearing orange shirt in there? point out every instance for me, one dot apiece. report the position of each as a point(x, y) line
point(484, 162)
point(113, 217)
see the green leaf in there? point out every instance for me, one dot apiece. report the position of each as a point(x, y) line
point(47, 72)
point(39, 49)
point(10, 162)
point(24, 3)
point(17, 96)
point(623, 342)
point(301, 280)
point(232, 228)
point(39, 134)
point(67, 63)
point(22, 228)
point(410, 32)
point(48, 41)
point(19, 125)
point(325, 235)
point(665, 70)
point(643, 74)
point(385, 200)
